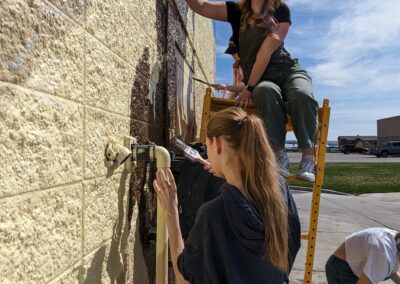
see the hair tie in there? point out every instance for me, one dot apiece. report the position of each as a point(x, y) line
point(243, 119)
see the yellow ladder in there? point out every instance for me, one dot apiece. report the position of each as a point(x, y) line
point(211, 105)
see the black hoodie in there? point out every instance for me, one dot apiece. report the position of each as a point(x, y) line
point(226, 244)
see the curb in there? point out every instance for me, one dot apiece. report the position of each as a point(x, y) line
point(310, 189)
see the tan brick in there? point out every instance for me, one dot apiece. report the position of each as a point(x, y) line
point(100, 125)
point(41, 48)
point(109, 80)
point(40, 234)
point(146, 13)
point(73, 8)
point(111, 22)
point(189, 54)
point(105, 263)
point(190, 23)
point(42, 140)
point(105, 201)
point(136, 263)
point(73, 275)
point(205, 46)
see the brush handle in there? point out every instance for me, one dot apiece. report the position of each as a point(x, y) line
point(189, 152)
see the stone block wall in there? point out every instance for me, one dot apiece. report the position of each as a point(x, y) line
point(72, 73)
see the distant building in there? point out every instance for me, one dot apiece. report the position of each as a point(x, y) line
point(360, 144)
point(388, 129)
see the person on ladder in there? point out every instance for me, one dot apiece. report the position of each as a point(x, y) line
point(273, 80)
point(235, 88)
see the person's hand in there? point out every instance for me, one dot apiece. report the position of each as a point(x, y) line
point(245, 99)
point(218, 87)
point(165, 188)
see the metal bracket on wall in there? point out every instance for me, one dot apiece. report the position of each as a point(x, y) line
point(128, 153)
point(116, 153)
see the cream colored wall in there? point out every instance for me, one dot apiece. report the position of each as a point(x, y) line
point(66, 76)
point(205, 50)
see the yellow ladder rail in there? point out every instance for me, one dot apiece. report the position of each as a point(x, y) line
point(323, 126)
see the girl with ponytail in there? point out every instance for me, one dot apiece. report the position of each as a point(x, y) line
point(245, 235)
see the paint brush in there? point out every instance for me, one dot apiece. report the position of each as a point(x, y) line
point(189, 152)
point(204, 82)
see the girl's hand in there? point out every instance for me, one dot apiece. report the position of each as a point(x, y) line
point(245, 99)
point(165, 188)
point(218, 87)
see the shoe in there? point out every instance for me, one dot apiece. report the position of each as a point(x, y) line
point(283, 163)
point(307, 169)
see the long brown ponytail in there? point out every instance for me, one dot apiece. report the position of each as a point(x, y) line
point(245, 134)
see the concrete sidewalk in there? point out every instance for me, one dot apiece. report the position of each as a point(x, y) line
point(340, 216)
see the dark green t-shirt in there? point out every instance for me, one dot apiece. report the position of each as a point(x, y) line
point(249, 41)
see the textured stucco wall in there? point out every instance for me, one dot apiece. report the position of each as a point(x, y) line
point(73, 72)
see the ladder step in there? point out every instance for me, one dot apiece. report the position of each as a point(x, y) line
point(292, 178)
point(305, 236)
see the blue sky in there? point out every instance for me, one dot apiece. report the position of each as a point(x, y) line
point(351, 49)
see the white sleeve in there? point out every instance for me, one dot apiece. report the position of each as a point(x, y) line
point(377, 266)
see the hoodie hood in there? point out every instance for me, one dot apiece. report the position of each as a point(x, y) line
point(245, 221)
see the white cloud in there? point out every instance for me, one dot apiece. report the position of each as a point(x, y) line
point(220, 49)
point(361, 47)
point(318, 5)
point(355, 60)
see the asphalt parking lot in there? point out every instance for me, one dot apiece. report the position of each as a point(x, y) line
point(295, 157)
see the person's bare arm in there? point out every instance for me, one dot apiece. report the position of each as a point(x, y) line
point(230, 88)
point(212, 10)
point(176, 244)
point(363, 279)
point(236, 88)
point(270, 44)
point(396, 277)
point(166, 190)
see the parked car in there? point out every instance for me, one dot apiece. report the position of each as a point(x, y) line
point(291, 146)
point(353, 147)
point(356, 144)
point(386, 149)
